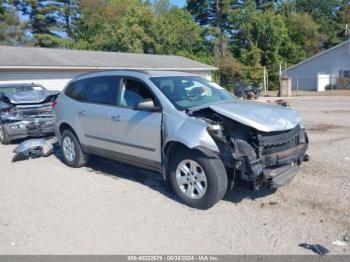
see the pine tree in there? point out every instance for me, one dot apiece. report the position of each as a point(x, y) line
point(42, 20)
point(11, 29)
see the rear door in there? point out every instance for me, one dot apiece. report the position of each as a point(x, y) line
point(96, 114)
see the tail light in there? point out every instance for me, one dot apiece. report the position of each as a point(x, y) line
point(8, 110)
point(53, 104)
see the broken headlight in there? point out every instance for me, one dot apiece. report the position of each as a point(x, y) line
point(213, 128)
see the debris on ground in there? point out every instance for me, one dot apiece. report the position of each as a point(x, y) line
point(339, 243)
point(346, 238)
point(280, 102)
point(319, 249)
point(34, 148)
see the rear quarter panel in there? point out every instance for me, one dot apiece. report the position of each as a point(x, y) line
point(66, 112)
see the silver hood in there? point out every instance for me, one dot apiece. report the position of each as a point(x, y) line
point(261, 116)
point(31, 97)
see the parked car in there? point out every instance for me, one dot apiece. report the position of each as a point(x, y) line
point(25, 110)
point(192, 131)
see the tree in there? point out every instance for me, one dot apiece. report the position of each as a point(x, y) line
point(259, 39)
point(344, 19)
point(116, 25)
point(161, 6)
point(68, 14)
point(175, 31)
point(304, 32)
point(215, 16)
point(11, 29)
point(324, 13)
point(265, 4)
point(42, 20)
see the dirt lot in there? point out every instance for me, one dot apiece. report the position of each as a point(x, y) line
point(109, 208)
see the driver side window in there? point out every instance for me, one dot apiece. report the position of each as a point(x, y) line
point(133, 92)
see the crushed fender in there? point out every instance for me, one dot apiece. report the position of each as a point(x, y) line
point(34, 148)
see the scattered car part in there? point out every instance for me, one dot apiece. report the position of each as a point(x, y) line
point(280, 102)
point(339, 243)
point(25, 111)
point(319, 249)
point(34, 148)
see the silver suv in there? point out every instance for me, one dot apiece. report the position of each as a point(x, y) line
point(195, 133)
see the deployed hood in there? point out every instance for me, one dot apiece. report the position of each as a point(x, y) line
point(261, 116)
point(30, 97)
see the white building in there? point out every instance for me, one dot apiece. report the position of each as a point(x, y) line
point(53, 68)
point(323, 69)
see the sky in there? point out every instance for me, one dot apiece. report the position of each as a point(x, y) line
point(180, 3)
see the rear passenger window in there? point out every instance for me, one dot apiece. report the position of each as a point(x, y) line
point(77, 90)
point(103, 90)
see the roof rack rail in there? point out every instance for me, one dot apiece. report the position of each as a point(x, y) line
point(111, 70)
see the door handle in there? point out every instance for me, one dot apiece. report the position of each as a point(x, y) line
point(116, 118)
point(81, 113)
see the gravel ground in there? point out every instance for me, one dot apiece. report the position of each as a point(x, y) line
point(110, 208)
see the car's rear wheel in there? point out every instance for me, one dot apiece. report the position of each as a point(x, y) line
point(4, 136)
point(200, 181)
point(72, 152)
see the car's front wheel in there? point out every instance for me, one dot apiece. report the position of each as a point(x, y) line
point(199, 180)
point(72, 152)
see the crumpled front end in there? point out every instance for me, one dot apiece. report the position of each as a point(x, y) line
point(262, 158)
point(271, 158)
point(22, 121)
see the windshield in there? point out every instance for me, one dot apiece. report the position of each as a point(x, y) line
point(190, 91)
point(8, 90)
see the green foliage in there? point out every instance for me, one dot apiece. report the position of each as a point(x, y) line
point(116, 25)
point(11, 29)
point(240, 37)
point(42, 18)
point(174, 31)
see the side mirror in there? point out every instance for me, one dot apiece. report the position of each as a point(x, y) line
point(147, 105)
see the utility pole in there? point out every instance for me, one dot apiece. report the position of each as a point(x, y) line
point(265, 80)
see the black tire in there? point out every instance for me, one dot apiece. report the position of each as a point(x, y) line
point(5, 138)
point(80, 158)
point(215, 173)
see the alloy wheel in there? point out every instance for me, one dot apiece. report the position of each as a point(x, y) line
point(191, 179)
point(68, 148)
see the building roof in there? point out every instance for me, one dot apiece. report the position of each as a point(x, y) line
point(319, 54)
point(49, 58)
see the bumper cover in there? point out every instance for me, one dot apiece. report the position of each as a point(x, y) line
point(281, 176)
point(29, 128)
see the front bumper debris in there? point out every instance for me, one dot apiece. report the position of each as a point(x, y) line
point(282, 176)
point(34, 148)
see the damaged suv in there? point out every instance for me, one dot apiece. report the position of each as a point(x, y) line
point(195, 133)
point(25, 110)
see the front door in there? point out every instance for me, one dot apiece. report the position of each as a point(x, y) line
point(137, 133)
